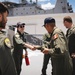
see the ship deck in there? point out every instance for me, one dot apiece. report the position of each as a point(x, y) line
point(36, 62)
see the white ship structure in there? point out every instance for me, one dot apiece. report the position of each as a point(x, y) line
point(24, 8)
point(33, 16)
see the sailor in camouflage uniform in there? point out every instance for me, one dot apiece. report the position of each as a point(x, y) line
point(7, 66)
point(70, 34)
point(19, 43)
point(60, 58)
point(46, 58)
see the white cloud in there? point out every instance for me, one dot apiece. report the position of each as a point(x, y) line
point(47, 6)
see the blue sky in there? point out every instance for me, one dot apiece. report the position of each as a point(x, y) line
point(46, 3)
point(72, 2)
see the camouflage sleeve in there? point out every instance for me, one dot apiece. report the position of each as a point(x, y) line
point(18, 39)
point(59, 43)
point(46, 38)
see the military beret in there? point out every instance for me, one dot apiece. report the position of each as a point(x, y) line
point(49, 20)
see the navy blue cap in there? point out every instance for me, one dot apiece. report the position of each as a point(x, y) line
point(49, 20)
point(20, 24)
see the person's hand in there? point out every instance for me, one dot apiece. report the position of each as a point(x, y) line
point(23, 56)
point(45, 51)
point(73, 55)
point(33, 48)
point(26, 54)
point(36, 47)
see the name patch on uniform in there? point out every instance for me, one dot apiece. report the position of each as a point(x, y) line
point(7, 42)
point(55, 36)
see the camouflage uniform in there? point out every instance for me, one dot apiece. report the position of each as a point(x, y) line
point(61, 61)
point(7, 66)
point(71, 44)
point(46, 58)
point(18, 42)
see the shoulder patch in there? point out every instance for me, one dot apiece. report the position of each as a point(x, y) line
point(55, 36)
point(7, 42)
point(16, 35)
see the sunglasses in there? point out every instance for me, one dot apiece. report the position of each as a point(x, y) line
point(22, 26)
